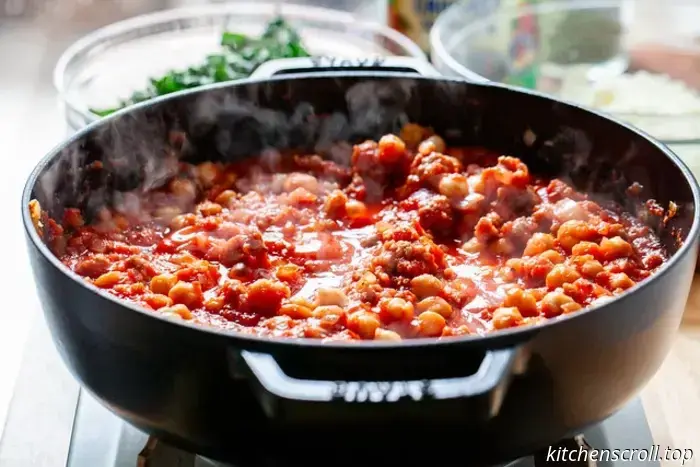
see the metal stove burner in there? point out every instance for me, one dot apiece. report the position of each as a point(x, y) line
point(101, 439)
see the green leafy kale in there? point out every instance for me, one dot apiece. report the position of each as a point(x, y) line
point(240, 56)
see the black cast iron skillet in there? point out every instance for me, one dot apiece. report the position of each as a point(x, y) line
point(463, 401)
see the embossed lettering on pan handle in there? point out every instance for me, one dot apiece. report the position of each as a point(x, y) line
point(320, 64)
point(326, 63)
point(484, 389)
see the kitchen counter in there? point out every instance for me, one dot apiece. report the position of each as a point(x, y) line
point(672, 398)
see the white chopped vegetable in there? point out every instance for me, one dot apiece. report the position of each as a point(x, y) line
point(664, 107)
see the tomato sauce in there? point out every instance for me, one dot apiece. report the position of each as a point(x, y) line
point(407, 239)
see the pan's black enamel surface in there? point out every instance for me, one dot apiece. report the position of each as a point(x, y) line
point(499, 396)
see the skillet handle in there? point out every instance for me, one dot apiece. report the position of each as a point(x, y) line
point(477, 396)
point(323, 64)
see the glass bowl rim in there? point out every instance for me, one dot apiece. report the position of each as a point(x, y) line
point(439, 49)
point(112, 32)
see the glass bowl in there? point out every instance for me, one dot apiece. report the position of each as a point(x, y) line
point(613, 55)
point(114, 61)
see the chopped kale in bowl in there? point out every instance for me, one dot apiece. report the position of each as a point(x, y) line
point(239, 57)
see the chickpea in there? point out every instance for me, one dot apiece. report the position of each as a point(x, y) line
point(386, 335)
point(303, 301)
point(369, 278)
point(330, 316)
point(300, 180)
point(314, 332)
point(183, 188)
point(334, 205)
point(266, 296)
point(453, 186)
point(137, 288)
point(586, 248)
point(470, 205)
point(426, 285)
point(502, 247)
point(591, 268)
point(208, 208)
point(538, 243)
point(553, 302)
point(289, 273)
point(616, 247)
point(355, 209)
point(184, 259)
point(517, 264)
point(180, 310)
point(36, 215)
point(182, 221)
point(207, 172)
point(505, 274)
point(186, 293)
point(398, 309)
point(552, 255)
point(504, 318)
point(158, 301)
point(391, 149)
point(93, 267)
point(325, 310)
point(431, 324)
point(560, 275)
point(331, 296)
point(295, 311)
point(572, 232)
point(432, 144)
point(214, 304)
point(539, 293)
point(412, 134)
point(477, 184)
point(301, 196)
point(570, 307)
point(621, 281)
point(435, 305)
point(364, 323)
point(524, 301)
point(473, 245)
point(108, 279)
point(225, 197)
point(162, 283)
point(485, 229)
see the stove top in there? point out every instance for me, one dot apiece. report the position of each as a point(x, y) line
point(100, 439)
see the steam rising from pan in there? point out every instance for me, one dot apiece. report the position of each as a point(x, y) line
point(135, 152)
point(136, 155)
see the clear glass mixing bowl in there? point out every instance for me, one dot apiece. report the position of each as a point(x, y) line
point(571, 48)
point(114, 61)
